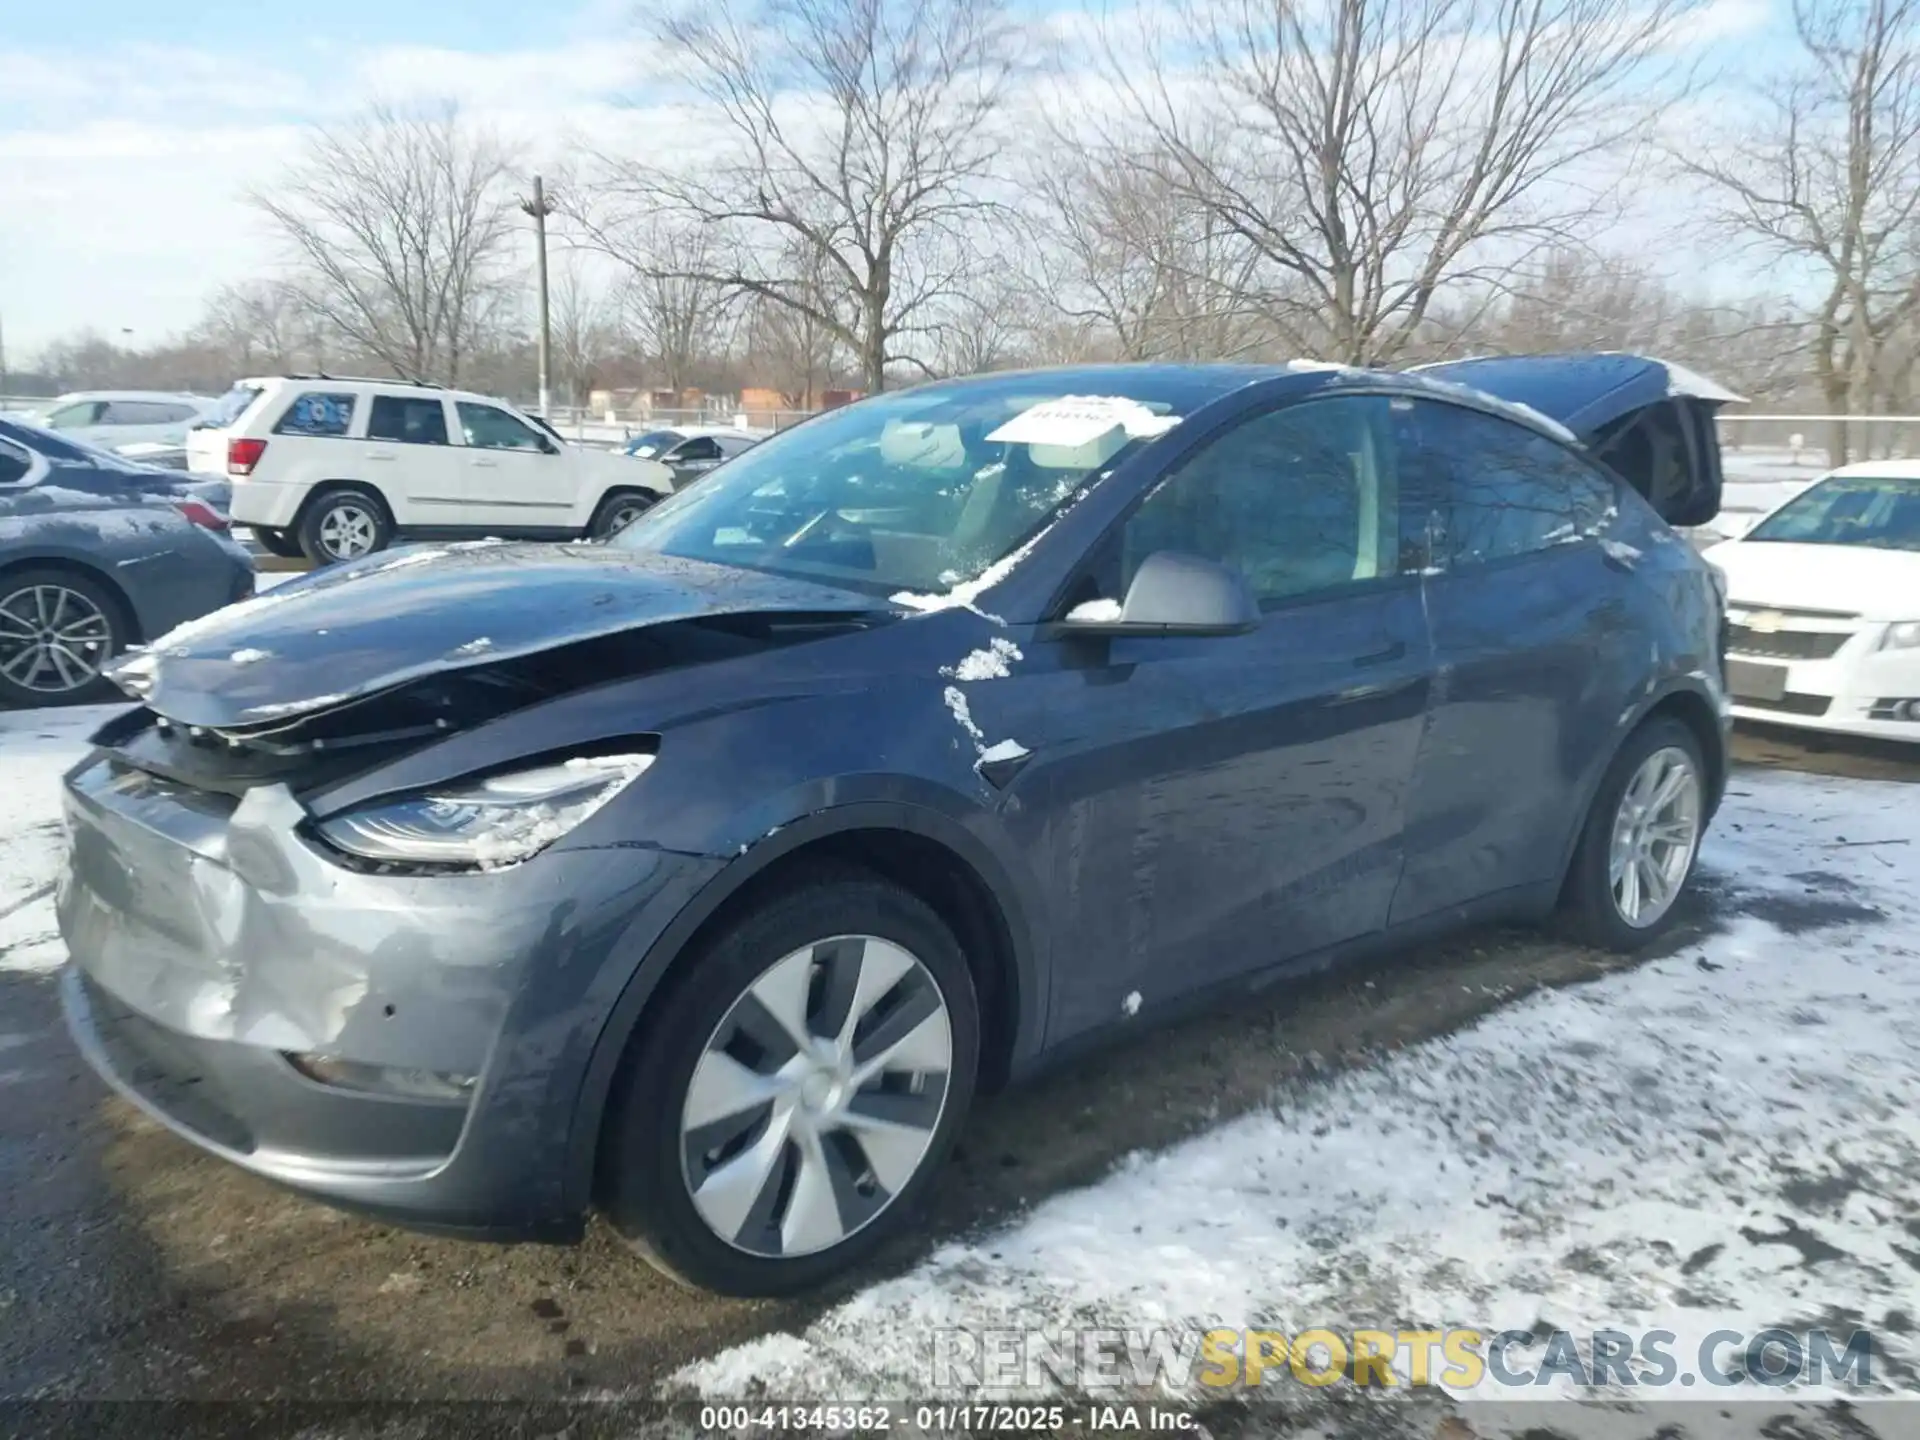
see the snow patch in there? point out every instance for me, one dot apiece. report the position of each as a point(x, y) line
point(1132, 1003)
point(1621, 551)
point(990, 662)
point(474, 647)
point(250, 657)
point(1002, 750)
point(1101, 612)
point(957, 703)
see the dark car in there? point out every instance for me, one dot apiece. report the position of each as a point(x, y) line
point(691, 451)
point(704, 876)
point(98, 553)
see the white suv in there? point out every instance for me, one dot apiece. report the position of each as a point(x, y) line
point(334, 469)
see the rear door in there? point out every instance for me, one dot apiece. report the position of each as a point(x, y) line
point(409, 456)
point(514, 477)
point(1533, 649)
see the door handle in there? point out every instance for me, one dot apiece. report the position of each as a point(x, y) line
point(489, 464)
point(379, 455)
point(1395, 651)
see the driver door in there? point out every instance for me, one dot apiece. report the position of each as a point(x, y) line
point(514, 477)
point(1221, 805)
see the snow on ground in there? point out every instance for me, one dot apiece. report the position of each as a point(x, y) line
point(1726, 1138)
point(36, 747)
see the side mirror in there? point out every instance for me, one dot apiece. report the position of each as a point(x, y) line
point(1173, 594)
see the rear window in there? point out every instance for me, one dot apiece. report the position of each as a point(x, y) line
point(410, 419)
point(317, 413)
point(229, 408)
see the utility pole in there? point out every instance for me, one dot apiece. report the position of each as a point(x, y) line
point(540, 209)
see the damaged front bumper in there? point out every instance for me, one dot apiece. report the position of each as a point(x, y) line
point(227, 973)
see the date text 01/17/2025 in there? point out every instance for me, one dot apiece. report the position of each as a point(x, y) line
point(860, 1419)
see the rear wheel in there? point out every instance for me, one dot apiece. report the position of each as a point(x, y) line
point(277, 542)
point(786, 1107)
point(57, 629)
point(620, 510)
point(1641, 839)
point(344, 524)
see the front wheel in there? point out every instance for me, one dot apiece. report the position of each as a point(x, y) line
point(1642, 836)
point(620, 510)
point(800, 1085)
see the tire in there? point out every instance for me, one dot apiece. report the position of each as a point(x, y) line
point(1594, 905)
point(344, 523)
point(277, 542)
point(619, 510)
point(795, 1139)
point(58, 628)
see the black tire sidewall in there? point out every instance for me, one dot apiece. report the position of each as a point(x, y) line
point(643, 1192)
point(317, 510)
point(1588, 905)
point(601, 527)
point(119, 621)
point(277, 542)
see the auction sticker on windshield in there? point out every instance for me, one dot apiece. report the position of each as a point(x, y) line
point(1075, 420)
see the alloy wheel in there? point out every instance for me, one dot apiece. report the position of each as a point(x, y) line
point(816, 1098)
point(1655, 833)
point(347, 530)
point(53, 640)
point(624, 514)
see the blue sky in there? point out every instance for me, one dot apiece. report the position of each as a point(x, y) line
point(130, 131)
point(128, 134)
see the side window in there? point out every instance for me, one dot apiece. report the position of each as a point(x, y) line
point(1299, 500)
point(701, 447)
point(15, 464)
point(176, 413)
point(315, 413)
point(130, 412)
point(72, 417)
point(487, 428)
point(410, 419)
point(1503, 489)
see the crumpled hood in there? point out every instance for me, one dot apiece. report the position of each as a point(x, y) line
point(1855, 579)
point(362, 627)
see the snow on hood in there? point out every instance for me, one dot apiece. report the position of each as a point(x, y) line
point(354, 629)
point(1859, 580)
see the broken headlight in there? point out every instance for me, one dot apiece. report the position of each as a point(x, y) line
point(500, 820)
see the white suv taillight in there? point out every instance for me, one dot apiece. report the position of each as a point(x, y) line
point(243, 455)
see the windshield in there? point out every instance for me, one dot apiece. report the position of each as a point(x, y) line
point(649, 445)
point(920, 490)
point(1877, 511)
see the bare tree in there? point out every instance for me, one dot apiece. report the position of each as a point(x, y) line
point(1373, 153)
point(675, 312)
point(1830, 179)
point(399, 225)
point(586, 328)
point(860, 137)
point(1130, 252)
point(790, 346)
point(257, 325)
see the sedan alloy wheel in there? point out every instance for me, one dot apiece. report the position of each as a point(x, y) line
point(53, 639)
